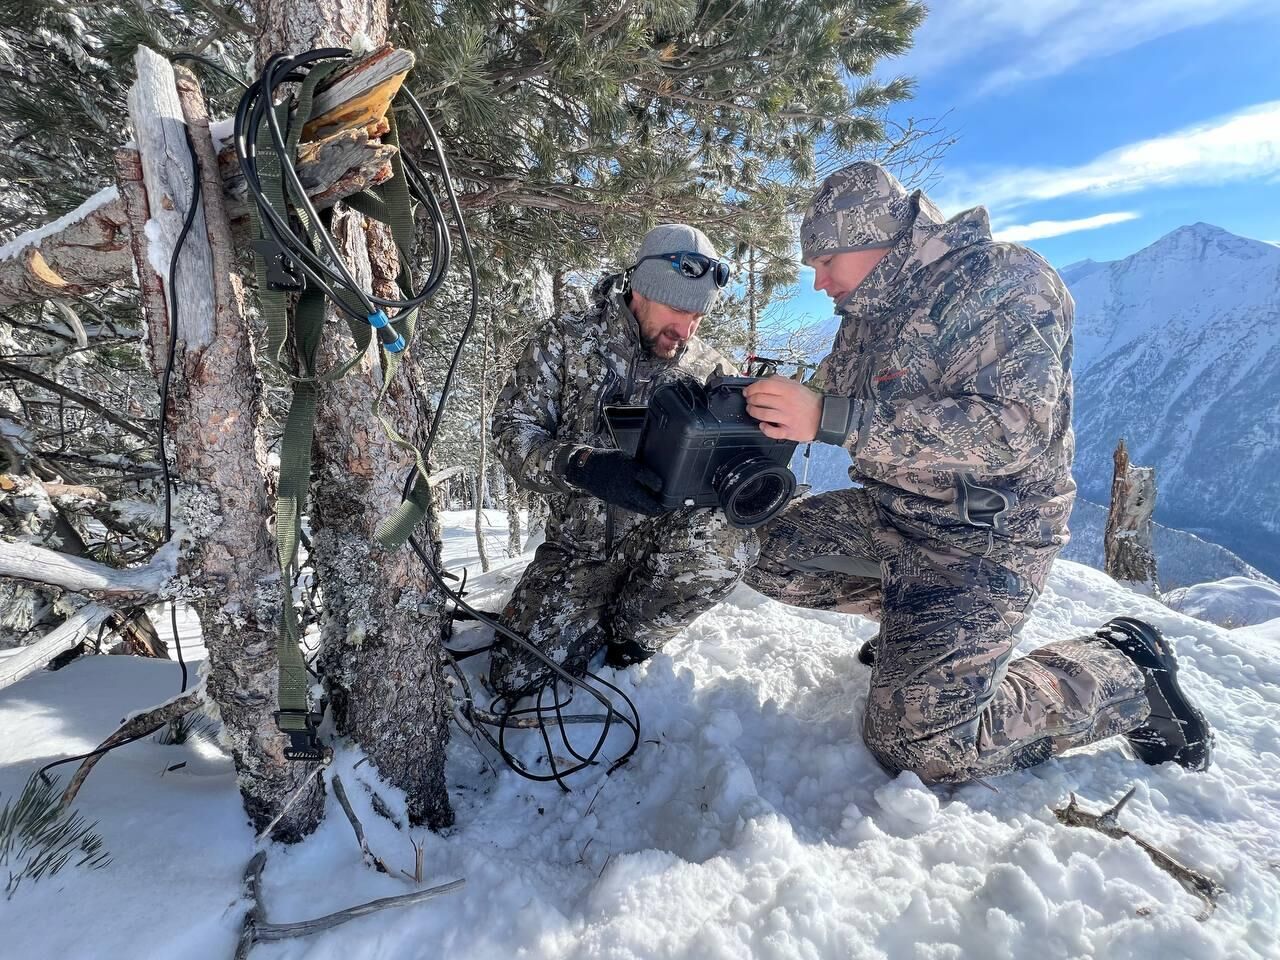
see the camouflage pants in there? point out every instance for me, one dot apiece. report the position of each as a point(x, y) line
point(947, 699)
point(665, 572)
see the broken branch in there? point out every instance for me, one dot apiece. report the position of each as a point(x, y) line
point(341, 154)
point(1204, 887)
point(26, 561)
point(134, 728)
point(33, 657)
point(257, 928)
point(369, 857)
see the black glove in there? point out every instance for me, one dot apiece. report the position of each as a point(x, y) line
point(615, 477)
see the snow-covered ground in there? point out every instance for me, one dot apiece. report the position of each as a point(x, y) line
point(752, 822)
point(1230, 602)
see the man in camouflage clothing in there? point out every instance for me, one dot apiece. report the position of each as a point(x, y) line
point(614, 571)
point(949, 382)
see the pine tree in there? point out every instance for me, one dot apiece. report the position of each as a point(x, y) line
point(572, 128)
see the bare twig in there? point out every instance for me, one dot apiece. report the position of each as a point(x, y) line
point(137, 726)
point(257, 928)
point(44, 383)
point(302, 788)
point(1202, 886)
point(419, 852)
point(369, 856)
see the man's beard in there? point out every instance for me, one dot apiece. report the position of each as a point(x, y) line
point(656, 345)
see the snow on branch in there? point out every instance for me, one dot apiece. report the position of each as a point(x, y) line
point(84, 250)
point(26, 561)
point(17, 664)
point(134, 727)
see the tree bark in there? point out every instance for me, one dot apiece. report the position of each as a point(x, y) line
point(1127, 542)
point(381, 620)
point(481, 551)
point(214, 415)
point(514, 496)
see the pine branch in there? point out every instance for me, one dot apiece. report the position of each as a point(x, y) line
point(44, 383)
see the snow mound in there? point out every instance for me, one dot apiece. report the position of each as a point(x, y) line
point(1230, 602)
point(752, 821)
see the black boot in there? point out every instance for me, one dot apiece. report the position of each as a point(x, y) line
point(624, 653)
point(867, 652)
point(1175, 730)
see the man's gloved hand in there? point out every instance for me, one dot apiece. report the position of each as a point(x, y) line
point(615, 477)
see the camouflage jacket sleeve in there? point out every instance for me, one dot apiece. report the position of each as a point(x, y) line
point(999, 353)
point(527, 415)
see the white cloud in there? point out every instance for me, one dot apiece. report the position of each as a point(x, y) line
point(1041, 229)
point(1239, 146)
point(1039, 38)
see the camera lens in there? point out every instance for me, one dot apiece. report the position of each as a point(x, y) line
point(753, 490)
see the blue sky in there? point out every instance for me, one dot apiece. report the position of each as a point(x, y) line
point(1091, 128)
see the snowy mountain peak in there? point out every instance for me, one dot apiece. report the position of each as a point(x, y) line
point(1073, 272)
point(1177, 348)
point(1201, 242)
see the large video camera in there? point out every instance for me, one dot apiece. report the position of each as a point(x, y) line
point(708, 450)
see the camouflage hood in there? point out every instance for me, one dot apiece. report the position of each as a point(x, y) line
point(956, 354)
point(928, 239)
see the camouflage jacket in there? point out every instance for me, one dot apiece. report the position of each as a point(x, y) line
point(554, 401)
point(956, 352)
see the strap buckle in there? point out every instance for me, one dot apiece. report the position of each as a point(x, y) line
point(282, 273)
point(303, 744)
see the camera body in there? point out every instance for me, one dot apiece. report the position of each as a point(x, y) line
point(708, 450)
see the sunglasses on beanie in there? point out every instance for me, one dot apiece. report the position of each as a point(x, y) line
point(692, 265)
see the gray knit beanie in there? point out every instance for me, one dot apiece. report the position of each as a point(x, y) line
point(659, 280)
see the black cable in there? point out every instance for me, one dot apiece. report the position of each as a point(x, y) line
point(329, 273)
point(166, 375)
point(92, 753)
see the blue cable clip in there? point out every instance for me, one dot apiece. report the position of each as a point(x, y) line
point(391, 341)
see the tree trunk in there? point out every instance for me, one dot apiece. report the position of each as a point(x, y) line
point(753, 307)
point(381, 619)
point(213, 416)
point(480, 459)
point(514, 496)
point(1130, 555)
point(481, 550)
point(557, 292)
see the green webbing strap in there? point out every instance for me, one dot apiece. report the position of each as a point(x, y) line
point(294, 716)
point(390, 204)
